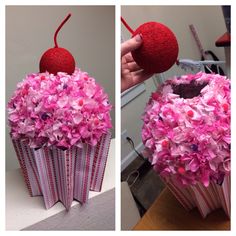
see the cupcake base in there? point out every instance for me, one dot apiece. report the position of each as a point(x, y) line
point(60, 175)
point(206, 199)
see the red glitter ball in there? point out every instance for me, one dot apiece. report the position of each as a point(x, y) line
point(165, 143)
point(225, 107)
point(96, 121)
point(190, 113)
point(155, 96)
point(181, 170)
point(81, 102)
point(159, 50)
point(56, 60)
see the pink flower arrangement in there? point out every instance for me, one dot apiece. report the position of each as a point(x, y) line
point(61, 110)
point(187, 128)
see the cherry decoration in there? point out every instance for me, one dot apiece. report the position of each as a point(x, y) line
point(57, 59)
point(159, 50)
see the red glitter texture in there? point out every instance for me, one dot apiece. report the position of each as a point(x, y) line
point(57, 60)
point(190, 113)
point(159, 50)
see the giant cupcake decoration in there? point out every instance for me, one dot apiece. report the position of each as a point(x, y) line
point(187, 127)
point(186, 131)
point(59, 122)
point(61, 105)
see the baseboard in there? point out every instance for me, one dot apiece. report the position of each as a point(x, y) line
point(131, 156)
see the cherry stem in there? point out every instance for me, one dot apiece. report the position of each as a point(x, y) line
point(127, 26)
point(59, 28)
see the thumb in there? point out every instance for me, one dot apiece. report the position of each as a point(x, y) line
point(131, 44)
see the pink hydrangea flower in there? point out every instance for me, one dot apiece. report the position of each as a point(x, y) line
point(61, 110)
point(189, 137)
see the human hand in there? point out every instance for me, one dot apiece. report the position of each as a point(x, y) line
point(131, 73)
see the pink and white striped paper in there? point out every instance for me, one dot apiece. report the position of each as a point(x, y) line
point(63, 175)
point(99, 163)
point(206, 199)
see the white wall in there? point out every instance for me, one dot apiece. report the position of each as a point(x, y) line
point(89, 35)
point(209, 23)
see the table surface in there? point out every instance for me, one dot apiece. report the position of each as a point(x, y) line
point(166, 213)
point(23, 210)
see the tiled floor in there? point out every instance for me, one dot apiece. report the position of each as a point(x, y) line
point(147, 187)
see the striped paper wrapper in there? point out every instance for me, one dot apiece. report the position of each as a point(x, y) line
point(60, 175)
point(206, 199)
point(99, 163)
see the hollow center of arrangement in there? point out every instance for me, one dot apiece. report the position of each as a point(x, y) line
point(190, 90)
